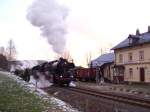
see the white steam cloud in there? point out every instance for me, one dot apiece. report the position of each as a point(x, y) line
point(50, 17)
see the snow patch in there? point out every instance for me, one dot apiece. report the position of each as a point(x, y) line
point(72, 84)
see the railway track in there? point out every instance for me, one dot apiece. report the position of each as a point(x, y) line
point(113, 96)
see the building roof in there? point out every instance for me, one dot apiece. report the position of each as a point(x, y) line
point(142, 38)
point(103, 59)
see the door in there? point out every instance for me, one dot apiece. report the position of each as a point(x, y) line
point(142, 74)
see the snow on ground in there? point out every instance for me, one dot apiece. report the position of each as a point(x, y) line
point(72, 84)
point(31, 88)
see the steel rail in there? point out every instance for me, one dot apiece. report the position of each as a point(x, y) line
point(113, 96)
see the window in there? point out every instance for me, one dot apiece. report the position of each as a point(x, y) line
point(130, 72)
point(130, 56)
point(130, 41)
point(141, 55)
point(120, 58)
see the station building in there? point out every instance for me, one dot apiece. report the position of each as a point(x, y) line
point(105, 63)
point(132, 58)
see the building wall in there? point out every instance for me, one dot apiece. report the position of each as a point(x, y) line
point(136, 63)
point(136, 72)
point(108, 71)
point(135, 51)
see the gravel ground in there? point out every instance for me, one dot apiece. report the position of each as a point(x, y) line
point(133, 89)
point(88, 103)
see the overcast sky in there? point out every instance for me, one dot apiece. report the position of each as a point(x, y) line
point(91, 25)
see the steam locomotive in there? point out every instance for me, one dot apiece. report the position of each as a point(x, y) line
point(60, 72)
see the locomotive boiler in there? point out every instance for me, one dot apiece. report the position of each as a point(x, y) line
point(58, 72)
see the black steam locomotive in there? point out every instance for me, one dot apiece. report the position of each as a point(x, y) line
point(59, 71)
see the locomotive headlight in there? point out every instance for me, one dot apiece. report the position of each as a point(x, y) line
point(71, 76)
point(61, 76)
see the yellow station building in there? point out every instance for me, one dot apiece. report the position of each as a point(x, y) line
point(132, 58)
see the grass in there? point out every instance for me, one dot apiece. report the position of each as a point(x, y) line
point(13, 98)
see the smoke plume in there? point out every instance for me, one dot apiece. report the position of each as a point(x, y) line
point(50, 17)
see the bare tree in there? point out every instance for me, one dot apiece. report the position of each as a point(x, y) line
point(2, 50)
point(102, 51)
point(3, 62)
point(67, 56)
point(11, 50)
point(88, 59)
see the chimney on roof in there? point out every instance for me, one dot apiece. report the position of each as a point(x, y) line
point(137, 32)
point(149, 29)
